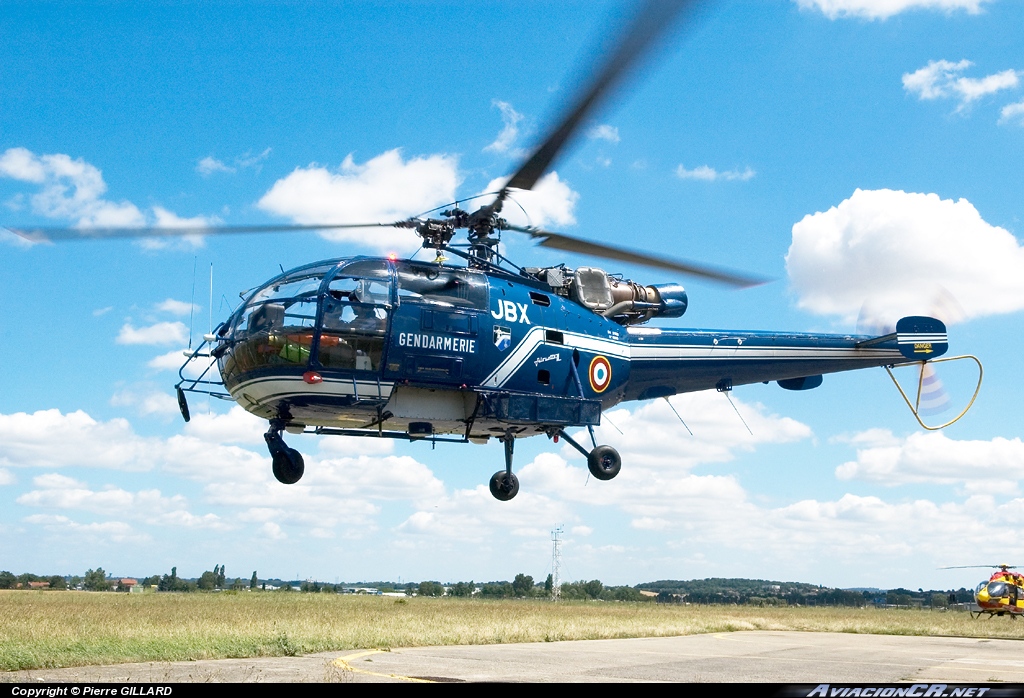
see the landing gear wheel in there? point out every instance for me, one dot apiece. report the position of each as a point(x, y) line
point(288, 466)
point(504, 486)
point(604, 462)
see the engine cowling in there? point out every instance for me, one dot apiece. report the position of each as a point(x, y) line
point(622, 300)
point(635, 303)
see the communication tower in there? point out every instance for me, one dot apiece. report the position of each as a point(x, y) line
point(556, 563)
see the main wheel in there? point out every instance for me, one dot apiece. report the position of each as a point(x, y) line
point(604, 462)
point(504, 486)
point(288, 466)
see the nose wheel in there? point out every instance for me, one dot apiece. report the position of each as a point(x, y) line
point(288, 463)
point(504, 486)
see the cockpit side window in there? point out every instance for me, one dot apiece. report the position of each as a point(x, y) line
point(429, 283)
point(355, 320)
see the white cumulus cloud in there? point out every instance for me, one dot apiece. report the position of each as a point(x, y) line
point(883, 9)
point(551, 202)
point(604, 132)
point(145, 402)
point(709, 174)
point(56, 491)
point(944, 80)
point(717, 432)
point(179, 308)
point(74, 189)
point(69, 188)
point(158, 333)
point(173, 360)
point(49, 439)
point(104, 532)
point(236, 426)
point(977, 465)
point(898, 250)
point(1012, 112)
point(506, 140)
point(208, 165)
point(386, 188)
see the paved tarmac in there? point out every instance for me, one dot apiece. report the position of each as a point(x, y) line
point(757, 656)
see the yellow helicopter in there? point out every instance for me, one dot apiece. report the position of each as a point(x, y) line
point(1001, 594)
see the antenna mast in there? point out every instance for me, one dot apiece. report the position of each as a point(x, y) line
point(556, 563)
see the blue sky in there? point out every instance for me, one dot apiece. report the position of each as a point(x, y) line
point(862, 153)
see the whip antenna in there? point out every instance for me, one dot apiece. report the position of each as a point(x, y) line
point(192, 303)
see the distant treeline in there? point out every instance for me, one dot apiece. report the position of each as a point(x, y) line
point(762, 592)
point(756, 592)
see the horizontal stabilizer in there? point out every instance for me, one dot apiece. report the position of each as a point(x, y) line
point(918, 338)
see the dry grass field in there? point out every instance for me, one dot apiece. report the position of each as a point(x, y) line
point(62, 629)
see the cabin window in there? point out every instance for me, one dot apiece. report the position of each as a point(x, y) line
point(355, 322)
point(430, 283)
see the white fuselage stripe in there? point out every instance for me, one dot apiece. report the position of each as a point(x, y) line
point(278, 387)
point(536, 338)
point(672, 352)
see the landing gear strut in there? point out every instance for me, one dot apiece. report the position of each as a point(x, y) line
point(288, 463)
point(604, 462)
point(504, 483)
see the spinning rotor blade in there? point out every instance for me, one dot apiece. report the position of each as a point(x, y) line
point(652, 21)
point(933, 399)
point(980, 567)
point(566, 243)
point(44, 234)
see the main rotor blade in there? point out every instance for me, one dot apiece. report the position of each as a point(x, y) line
point(978, 567)
point(45, 234)
point(652, 21)
point(566, 243)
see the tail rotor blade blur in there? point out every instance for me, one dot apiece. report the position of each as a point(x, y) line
point(934, 398)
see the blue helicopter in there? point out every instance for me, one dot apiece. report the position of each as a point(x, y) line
point(425, 350)
point(382, 347)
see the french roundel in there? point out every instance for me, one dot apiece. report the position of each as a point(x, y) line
point(600, 374)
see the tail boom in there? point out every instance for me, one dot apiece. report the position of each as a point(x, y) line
point(666, 362)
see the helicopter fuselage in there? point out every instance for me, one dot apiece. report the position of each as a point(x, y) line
point(417, 349)
point(1002, 594)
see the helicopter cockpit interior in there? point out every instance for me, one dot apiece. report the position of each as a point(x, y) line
point(278, 325)
point(335, 315)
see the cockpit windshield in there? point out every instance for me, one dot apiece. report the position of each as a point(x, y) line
point(299, 320)
point(996, 589)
